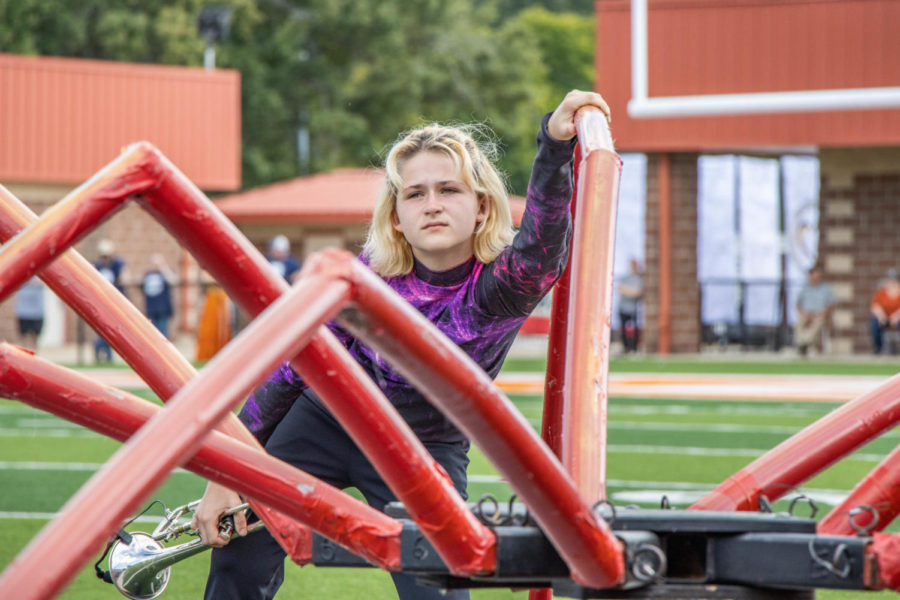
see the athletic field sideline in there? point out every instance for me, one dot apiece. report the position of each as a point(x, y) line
point(676, 429)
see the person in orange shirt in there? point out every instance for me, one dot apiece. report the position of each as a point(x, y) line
point(885, 310)
point(214, 328)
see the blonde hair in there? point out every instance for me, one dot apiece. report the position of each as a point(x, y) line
point(388, 252)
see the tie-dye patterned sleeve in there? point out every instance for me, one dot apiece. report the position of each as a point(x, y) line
point(517, 280)
point(268, 404)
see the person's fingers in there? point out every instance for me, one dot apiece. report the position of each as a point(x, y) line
point(240, 523)
point(562, 122)
point(577, 99)
point(207, 525)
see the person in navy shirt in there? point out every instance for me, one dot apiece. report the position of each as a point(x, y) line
point(156, 286)
point(281, 259)
point(30, 312)
point(442, 237)
point(114, 271)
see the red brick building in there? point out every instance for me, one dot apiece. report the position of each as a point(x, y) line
point(703, 47)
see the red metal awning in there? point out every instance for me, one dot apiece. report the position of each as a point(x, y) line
point(63, 118)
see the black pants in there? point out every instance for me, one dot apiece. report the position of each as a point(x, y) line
point(309, 438)
point(630, 331)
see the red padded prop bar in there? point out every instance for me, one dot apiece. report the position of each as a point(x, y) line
point(169, 439)
point(585, 398)
point(88, 205)
point(400, 458)
point(552, 414)
point(809, 451)
point(244, 272)
point(463, 392)
point(879, 491)
point(255, 474)
point(554, 380)
point(585, 457)
point(101, 305)
point(394, 449)
point(110, 314)
point(886, 549)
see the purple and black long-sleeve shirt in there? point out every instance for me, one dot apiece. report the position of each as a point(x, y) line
point(479, 306)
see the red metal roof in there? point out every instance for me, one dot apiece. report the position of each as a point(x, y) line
point(63, 119)
point(340, 196)
point(743, 46)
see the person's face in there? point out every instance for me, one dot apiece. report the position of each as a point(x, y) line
point(815, 276)
point(436, 211)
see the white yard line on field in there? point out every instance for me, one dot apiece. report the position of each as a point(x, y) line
point(47, 516)
point(61, 432)
point(57, 466)
point(726, 407)
point(726, 452)
point(702, 427)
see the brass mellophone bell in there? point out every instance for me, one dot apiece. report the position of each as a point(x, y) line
point(140, 569)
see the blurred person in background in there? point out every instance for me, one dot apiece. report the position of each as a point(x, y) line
point(114, 271)
point(631, 290)
point(214, 328)
point(30, 312)
point(281, 259)
point(814, 306)
point(885, 309)
point(156, 285)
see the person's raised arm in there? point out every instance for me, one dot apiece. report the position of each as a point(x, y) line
point(526, 270)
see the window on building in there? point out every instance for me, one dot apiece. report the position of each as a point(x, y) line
point(757, 237)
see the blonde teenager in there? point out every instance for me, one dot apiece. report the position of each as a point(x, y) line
point(442, 238)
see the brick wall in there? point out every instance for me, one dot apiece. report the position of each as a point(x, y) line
point(859, 234)
point(685, 302)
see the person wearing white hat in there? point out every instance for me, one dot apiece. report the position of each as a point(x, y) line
point(279, 256)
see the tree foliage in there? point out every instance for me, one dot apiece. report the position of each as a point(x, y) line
point(580, 7)
point(350, 73)
point(566, 44)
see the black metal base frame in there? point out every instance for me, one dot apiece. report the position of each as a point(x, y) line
point(671, 554)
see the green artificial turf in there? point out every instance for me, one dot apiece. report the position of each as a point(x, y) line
point(674, 448)
point(715, 364)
